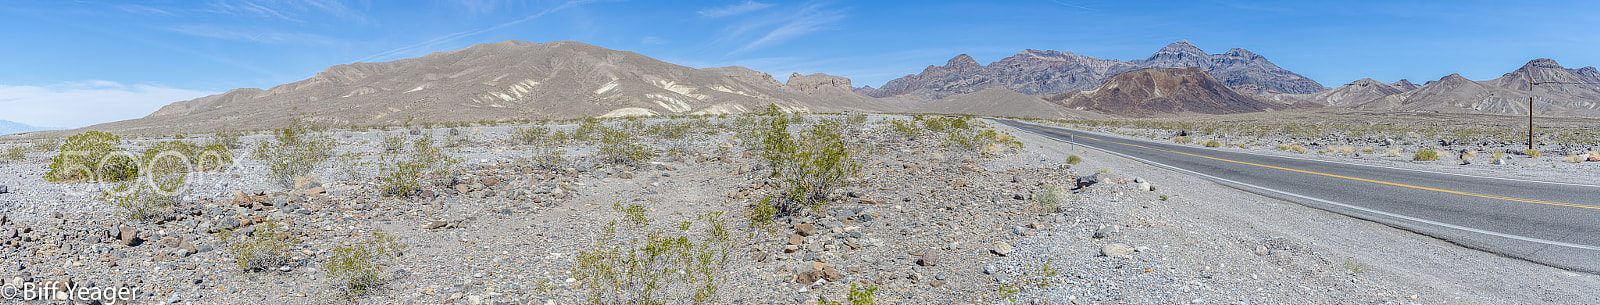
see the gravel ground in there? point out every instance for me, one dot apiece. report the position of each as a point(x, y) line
point(924, 222)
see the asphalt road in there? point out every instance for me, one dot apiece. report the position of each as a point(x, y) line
point(1556, 224)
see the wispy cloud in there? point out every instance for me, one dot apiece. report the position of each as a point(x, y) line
point(246, 9)
point(733, 10)
point(261, 36)
point(807, 20)
point(291, 10)
point(653, 40)
point(142, 10)
point(78, 104)
point(429, 44)
point(480, 7)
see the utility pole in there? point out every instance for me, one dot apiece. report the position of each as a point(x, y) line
point(1530, 109)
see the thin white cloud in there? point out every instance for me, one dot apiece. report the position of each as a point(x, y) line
point(733, 10)
point(291, 10)
point(810, 19)
point(261, 36)
point(78, 104)
point(653, 40)
point(429, 44)
point(480, 7)
point(247, 9)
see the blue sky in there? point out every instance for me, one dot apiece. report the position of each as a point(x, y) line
point(76, 63)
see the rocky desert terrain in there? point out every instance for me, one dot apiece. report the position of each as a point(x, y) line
point(921, 210)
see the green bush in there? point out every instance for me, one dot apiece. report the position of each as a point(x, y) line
point(642, 264)
point(620, 147)
point(16, 153)
point(1425, 155)
point(906, 130)
point(1181, 140)
point(47, 144)
point(1213, 143)
point(1074, 159)
point(214, 157)
point(265, 248)
point(401, 174)
point(394, 143)
point(159, 187)
point(94, 157)
point(857, 296)
point(529, 135)
point(227, 138)
point(1051, 199)
point(295, 150)
point(355, 270)
point(806, 169)
point(1532, 153)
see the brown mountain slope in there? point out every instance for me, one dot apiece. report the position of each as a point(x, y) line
point(1558, 92)
point(1163, 92)
point(501, 81)
point(1354, 93)
point(1002, 102)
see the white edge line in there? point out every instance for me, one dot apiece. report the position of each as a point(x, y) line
point(1355, 164)
point(1363, 209)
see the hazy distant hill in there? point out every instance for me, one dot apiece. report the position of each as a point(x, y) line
point(506, 80)
point(1163, 92)
point(1002, 102)
point(1354, 93)
point(1037, 72)
point(9, 127)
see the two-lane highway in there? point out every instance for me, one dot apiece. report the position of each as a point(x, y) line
point(1556, 224)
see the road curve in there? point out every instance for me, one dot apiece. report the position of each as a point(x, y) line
point(1555, 224)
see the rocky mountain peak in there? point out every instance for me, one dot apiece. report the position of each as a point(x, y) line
point(962, 61)
point(811, 83)
point(1241, 53)
point(1404, 85)
point(1181, 47)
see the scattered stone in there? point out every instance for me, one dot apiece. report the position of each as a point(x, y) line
point(936, 284)
point(796, 239)
point(791, 248)
point(128, 235)
point(242, 200)
point(1002, 248)
point(1106, 231)
point(626, 175)
point(990, 269)
point(4, 189)
point(929, 258)
point(1116, 250)
point(805, 229)
point(1086, 181)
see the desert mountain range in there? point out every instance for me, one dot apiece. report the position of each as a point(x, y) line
point(1036, 72)
point(512, 80)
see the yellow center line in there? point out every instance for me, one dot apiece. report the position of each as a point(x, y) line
point(1346, 177)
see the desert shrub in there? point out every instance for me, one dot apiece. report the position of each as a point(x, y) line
point(857, 296)
point(1181, 140)
point(16, 153)
point(587, 129)
point(907, 130)
point(92, 156)
point(1425, 155)
point(225, 137)
point(265, 248)
point(644, 264)
point(620, 147)
point(1074, 159)
point(355, 270)
point(1578, 158)
point(1051, 199)
point(393, 143)
point(1367, 150)
point(295, 150)
point(159, 186)
point(856, 119)
point(455, 138)
point(47, 144)
point(1212, 143)
point(401, 174)
point(529, 135)
point(1532, 153)
point(806, 169)
point(214, 157)
point(1392, 152)
point(675, 135)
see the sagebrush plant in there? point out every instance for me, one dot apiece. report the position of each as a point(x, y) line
point(620, 147)
point(857, 296)
point(906, 129)
point(227, 138)
point(213, 157)
point(393, 143)
point(1074, 159)
point(161, 184)
point(265, 248)
point(402, 173)
point(92, 156)
point(294, 150)
point(806, 169)
point(1051, 199)
point(355, 270)
point(529, 135)
point(644, 264)
point(16, 152)
point(47, 144)
point(1425, 155)
point(1212, 143)
point(1532, 153)
point(1181, 140)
